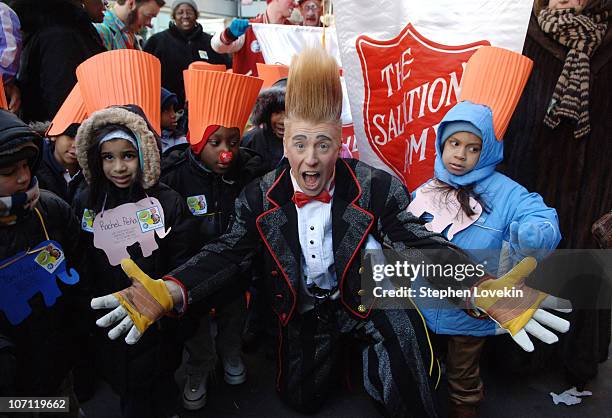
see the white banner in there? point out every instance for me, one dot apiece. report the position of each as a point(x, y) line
point(403, 62)
point(279, 43)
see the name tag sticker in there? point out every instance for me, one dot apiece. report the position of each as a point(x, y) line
point(197, 205)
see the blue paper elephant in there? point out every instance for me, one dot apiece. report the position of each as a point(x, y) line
point(26, 274)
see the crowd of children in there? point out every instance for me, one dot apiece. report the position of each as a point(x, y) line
point(125, 180)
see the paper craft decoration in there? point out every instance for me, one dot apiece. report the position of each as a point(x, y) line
point(117, 229)
point(445, 209)
point(496, 77)
point(219, 98)
point(271, 73)
point(122, 77)
point(72, 111)
point(29, 273)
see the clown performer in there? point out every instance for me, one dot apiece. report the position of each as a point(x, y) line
point(312, 216)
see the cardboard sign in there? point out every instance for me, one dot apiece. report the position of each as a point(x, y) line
point(29, 273)
point(117, 229)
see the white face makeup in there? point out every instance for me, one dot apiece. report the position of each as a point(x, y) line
point(312, 151)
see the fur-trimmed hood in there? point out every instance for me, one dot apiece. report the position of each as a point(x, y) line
point(87, 139)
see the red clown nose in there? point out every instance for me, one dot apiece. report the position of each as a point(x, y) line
point(226, 157)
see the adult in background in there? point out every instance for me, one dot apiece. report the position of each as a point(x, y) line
point(95, 9)
point(125, 20)
point(181, 44)
point(58, 36)
point(311, 11)
point(10, 50)
point(559, 144)
point(240, 40)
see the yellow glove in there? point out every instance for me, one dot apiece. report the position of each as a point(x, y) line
point(502, 300)
point(146, 300)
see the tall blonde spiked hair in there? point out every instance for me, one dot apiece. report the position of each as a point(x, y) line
point(314, 92)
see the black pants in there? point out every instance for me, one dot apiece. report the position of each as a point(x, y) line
point(399, 368)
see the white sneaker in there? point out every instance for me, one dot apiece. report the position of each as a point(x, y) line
point(194, 393)
point(234, 371)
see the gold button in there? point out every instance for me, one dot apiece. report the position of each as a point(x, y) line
point(361, 292)
point(362, 308)
point(360, 270)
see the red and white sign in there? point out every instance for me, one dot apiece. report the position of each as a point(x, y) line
point(403, 64)
point(409, 84)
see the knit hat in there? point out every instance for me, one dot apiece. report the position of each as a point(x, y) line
point(459, 126)
point(18, 141)
point(177, 3)
point(167, 98)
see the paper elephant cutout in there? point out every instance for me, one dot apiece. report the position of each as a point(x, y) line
point(27, 274)
point(117, 229)
point(445, 210)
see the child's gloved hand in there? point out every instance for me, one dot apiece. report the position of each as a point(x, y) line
point(521, 316)
point(527, 239)
point(238, 27)
point(137, 306)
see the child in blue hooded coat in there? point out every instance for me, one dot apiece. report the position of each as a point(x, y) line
point(477, 209)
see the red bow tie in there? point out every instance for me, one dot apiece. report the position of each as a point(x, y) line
point(300, 199)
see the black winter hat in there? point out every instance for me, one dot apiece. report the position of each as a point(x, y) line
point(18, 141)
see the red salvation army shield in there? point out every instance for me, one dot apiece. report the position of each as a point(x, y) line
point(410, 83)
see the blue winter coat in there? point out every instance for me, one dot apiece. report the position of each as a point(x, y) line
point(507, 202)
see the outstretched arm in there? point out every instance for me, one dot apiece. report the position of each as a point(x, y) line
point(212, 269)
point(518, 315)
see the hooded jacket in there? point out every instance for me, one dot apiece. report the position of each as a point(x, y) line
point(124, 365)
point(506, 202)
point(44, 344)
point(50, 175)
point(176, 50)
point(58, 37)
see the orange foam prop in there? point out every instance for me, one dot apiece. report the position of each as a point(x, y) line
point(201, 66)
point(219, 98)
point(496, 77)
point(3, 102)
point(205, 66)
point(122, 77)
point(72, 111)
point(271, 73)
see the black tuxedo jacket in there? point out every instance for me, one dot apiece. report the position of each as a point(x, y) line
point(366, 201)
